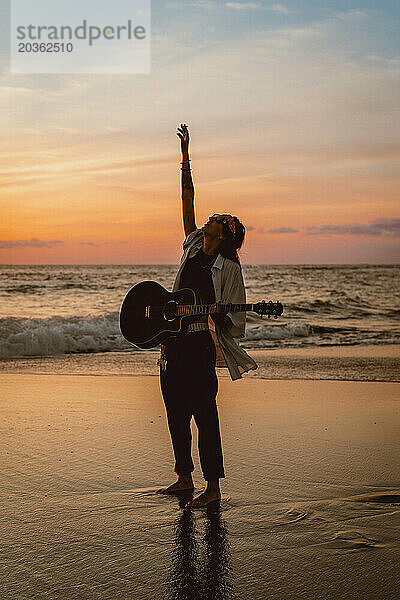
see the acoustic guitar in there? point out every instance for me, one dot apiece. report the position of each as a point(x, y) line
point(150, 314)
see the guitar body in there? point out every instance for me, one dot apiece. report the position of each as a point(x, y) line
point(147, 314)
point(150, 315)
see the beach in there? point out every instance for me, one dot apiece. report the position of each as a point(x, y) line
point(310, 503)
point(346, 363)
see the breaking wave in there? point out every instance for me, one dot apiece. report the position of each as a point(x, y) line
point(60, 335)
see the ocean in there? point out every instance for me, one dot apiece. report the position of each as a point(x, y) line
point(53, 310)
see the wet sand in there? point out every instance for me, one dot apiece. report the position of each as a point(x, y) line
point(342, 363)
point(310, 507)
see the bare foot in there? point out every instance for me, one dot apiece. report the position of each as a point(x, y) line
point(205, 498)
point(179, 486)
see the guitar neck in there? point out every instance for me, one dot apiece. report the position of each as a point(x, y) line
point(206, 309)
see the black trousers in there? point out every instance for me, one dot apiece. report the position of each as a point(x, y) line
point(189, 386)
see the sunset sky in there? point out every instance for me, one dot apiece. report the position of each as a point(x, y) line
point(293, 111)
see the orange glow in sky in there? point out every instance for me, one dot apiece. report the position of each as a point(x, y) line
point(292, 130)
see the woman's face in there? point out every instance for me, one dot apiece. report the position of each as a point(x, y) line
point(212, 228)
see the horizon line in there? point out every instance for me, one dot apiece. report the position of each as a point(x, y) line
point(177, 264)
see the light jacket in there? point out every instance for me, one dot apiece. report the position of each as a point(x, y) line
point(229, 287)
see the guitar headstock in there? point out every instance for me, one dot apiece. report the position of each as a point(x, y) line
point(269, 308)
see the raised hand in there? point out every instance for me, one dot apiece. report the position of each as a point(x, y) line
point(189, 221)
point(183, 134)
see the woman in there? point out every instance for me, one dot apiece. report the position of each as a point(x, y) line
point(210, 266)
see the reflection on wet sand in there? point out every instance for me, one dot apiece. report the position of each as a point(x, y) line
point(200, 567)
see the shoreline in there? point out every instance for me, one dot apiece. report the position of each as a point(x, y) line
point(340, 363)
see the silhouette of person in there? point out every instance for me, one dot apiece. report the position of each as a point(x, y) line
point(210, 266)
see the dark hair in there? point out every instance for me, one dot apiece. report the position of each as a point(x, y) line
point(230, 245)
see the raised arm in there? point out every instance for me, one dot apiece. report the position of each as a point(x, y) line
point(187, 187)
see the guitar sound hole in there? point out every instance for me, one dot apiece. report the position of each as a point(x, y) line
point(170, 310)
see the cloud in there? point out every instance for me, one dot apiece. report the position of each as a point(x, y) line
point(277, 8)
point(174, 5)
point(283, 230)
point(280, 8)
point(103, 243)
point(54, 172)
point(352, 13)
point(36, 243)
point(208, 4)
point(255, 229)
point(278, 230)
point(242, 5)
point(33, 243)
point(381, 227)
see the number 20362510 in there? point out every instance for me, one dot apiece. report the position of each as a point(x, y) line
point(45, 47)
